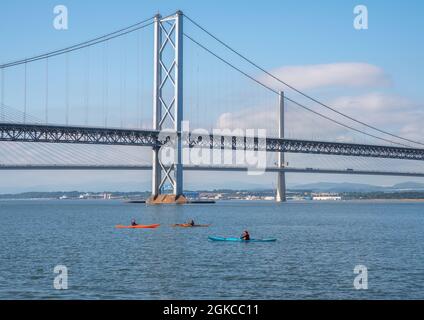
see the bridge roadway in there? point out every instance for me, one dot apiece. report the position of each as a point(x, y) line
point(150, 138)
point(211, 168)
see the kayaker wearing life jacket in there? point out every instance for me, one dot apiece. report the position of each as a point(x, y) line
point(245, 236)
point(133, 222)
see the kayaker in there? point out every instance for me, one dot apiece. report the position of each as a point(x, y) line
point(134, 223)
point(245, 236)
point(191, 222)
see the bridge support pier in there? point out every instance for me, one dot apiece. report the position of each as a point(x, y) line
point(281, 179)
point(156, 173)
point(168, 106)
point(281, 187)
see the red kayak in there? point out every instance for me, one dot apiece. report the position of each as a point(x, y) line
point(139, 226)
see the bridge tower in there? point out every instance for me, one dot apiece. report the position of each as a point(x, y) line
point(168, 105)
point(281, 179)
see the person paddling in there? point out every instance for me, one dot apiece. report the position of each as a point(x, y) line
point(245, 236)
point(133, 222)
point(191, 223)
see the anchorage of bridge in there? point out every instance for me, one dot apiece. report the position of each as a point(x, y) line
point(209, 168)
point(148, 138)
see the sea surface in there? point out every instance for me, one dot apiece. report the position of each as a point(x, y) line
point(318, 247)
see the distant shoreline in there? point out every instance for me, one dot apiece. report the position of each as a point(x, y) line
point(227, 200)
point(265, 195)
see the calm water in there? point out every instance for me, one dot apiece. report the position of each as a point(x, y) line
point(318, 246)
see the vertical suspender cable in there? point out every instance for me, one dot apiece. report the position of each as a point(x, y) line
point(46, 106)
point(106, 85)
point(87, 85)
point(25, 92)
point(103, 84)
point(120, 91)
point(121, 76)
point(124, 100)
point(2, 95)
point(67, 88)
point(138, 102)
point(197, 90)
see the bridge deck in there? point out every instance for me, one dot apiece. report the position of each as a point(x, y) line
point(151, 138)
point(212, 168)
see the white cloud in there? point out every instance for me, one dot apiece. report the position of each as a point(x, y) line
point(392, 113)
point(298, 124)
point(251, 118)
point(347, 74)
point(373, 102)
point(389, 112)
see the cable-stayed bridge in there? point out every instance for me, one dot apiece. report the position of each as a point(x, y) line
point(163, 130)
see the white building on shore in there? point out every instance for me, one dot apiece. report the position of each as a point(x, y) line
point(326, 197)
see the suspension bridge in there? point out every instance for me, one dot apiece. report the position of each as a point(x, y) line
point(36, 125)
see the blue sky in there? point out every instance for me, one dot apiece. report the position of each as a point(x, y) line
point(277, 35)
point(301, 31)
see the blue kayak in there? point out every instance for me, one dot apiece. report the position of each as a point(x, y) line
point(240, 240)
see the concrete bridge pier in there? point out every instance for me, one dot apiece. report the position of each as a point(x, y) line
point(281, 179)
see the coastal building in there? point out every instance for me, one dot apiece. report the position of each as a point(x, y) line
point(326, 198)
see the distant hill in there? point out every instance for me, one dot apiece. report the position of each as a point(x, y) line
point(409, 186)
point(312, 187)
point(357, 187)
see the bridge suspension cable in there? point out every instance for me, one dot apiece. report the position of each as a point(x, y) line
point(149, 21)
point(137, 26)
point(303, 93)
point(105, 84)
point(138, 90)
point(11, 115)
point(86, 85)
point(46, 102)
point(289, 99)
point(67, 88)
point(57, 155)
point(25, 92)
point(2, 95)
